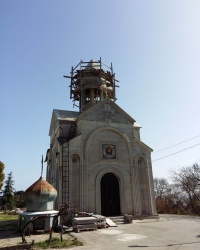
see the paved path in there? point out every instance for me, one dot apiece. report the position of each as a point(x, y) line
point(170, 232)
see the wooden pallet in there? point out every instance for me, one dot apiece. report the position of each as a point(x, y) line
point(84, 229)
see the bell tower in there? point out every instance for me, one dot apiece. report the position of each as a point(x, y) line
point(92, 82)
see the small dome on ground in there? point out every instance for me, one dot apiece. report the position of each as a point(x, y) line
point(40, 196)
point(40, 187)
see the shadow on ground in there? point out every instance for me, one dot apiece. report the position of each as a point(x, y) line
point(169, 245)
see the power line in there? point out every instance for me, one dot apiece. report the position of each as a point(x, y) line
point(176, 144)
point(176, 152)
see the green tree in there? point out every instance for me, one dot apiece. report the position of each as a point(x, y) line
point(2, 175)
point(8, 193)
point(19, 199)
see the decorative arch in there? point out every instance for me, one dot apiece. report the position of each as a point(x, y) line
point(111, 168)
point(75, 158)
point(75, 179)
point(144, 183)
point(140, 158)
point(141, 161)
point(75, 154)
point(90, 136)
point(115, 130)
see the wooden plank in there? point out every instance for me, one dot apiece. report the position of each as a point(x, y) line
point(84, 220)
point(101, 220)
point(110, 223)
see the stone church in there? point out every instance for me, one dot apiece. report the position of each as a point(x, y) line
point(96, 159)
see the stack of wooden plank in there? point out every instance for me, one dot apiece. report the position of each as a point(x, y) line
point(84, 223)
point(101, 220)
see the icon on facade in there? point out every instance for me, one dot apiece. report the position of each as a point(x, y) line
point(109, 151)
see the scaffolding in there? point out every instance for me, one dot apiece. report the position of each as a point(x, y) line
point(91, 82)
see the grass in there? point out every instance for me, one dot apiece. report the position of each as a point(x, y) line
point(57, 243)
point(8, 223)
point(8, 217)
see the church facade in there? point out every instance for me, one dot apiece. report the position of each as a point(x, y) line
point(96, 159)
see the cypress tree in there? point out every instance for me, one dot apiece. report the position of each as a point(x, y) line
point(8, 193)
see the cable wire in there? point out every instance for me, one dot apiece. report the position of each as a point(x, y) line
point(176, 152)
point(176, 144)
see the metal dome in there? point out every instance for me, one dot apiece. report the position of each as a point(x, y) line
point(40, 196)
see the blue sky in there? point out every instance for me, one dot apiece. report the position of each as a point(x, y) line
point(155, 50)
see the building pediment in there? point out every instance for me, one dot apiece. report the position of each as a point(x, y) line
point(106, 111)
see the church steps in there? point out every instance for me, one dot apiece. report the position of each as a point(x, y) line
point(122, 220)
point(118, 219)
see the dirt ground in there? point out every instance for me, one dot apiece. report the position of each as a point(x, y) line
point(11, 239)
point(9, 235)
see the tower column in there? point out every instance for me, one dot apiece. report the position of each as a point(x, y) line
point(101, 95)
point(83, 98)
point(91, 95)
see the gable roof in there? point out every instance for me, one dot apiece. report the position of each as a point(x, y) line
point(101, 104)
point(66, 115)
point(71, 116)
point(62, 115)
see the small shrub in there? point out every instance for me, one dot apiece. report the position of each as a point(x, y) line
point(57, 243)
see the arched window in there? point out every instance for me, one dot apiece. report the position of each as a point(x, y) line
point(75, 159)
point(141, 161)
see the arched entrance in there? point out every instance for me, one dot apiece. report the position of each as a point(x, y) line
point(110, 198)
